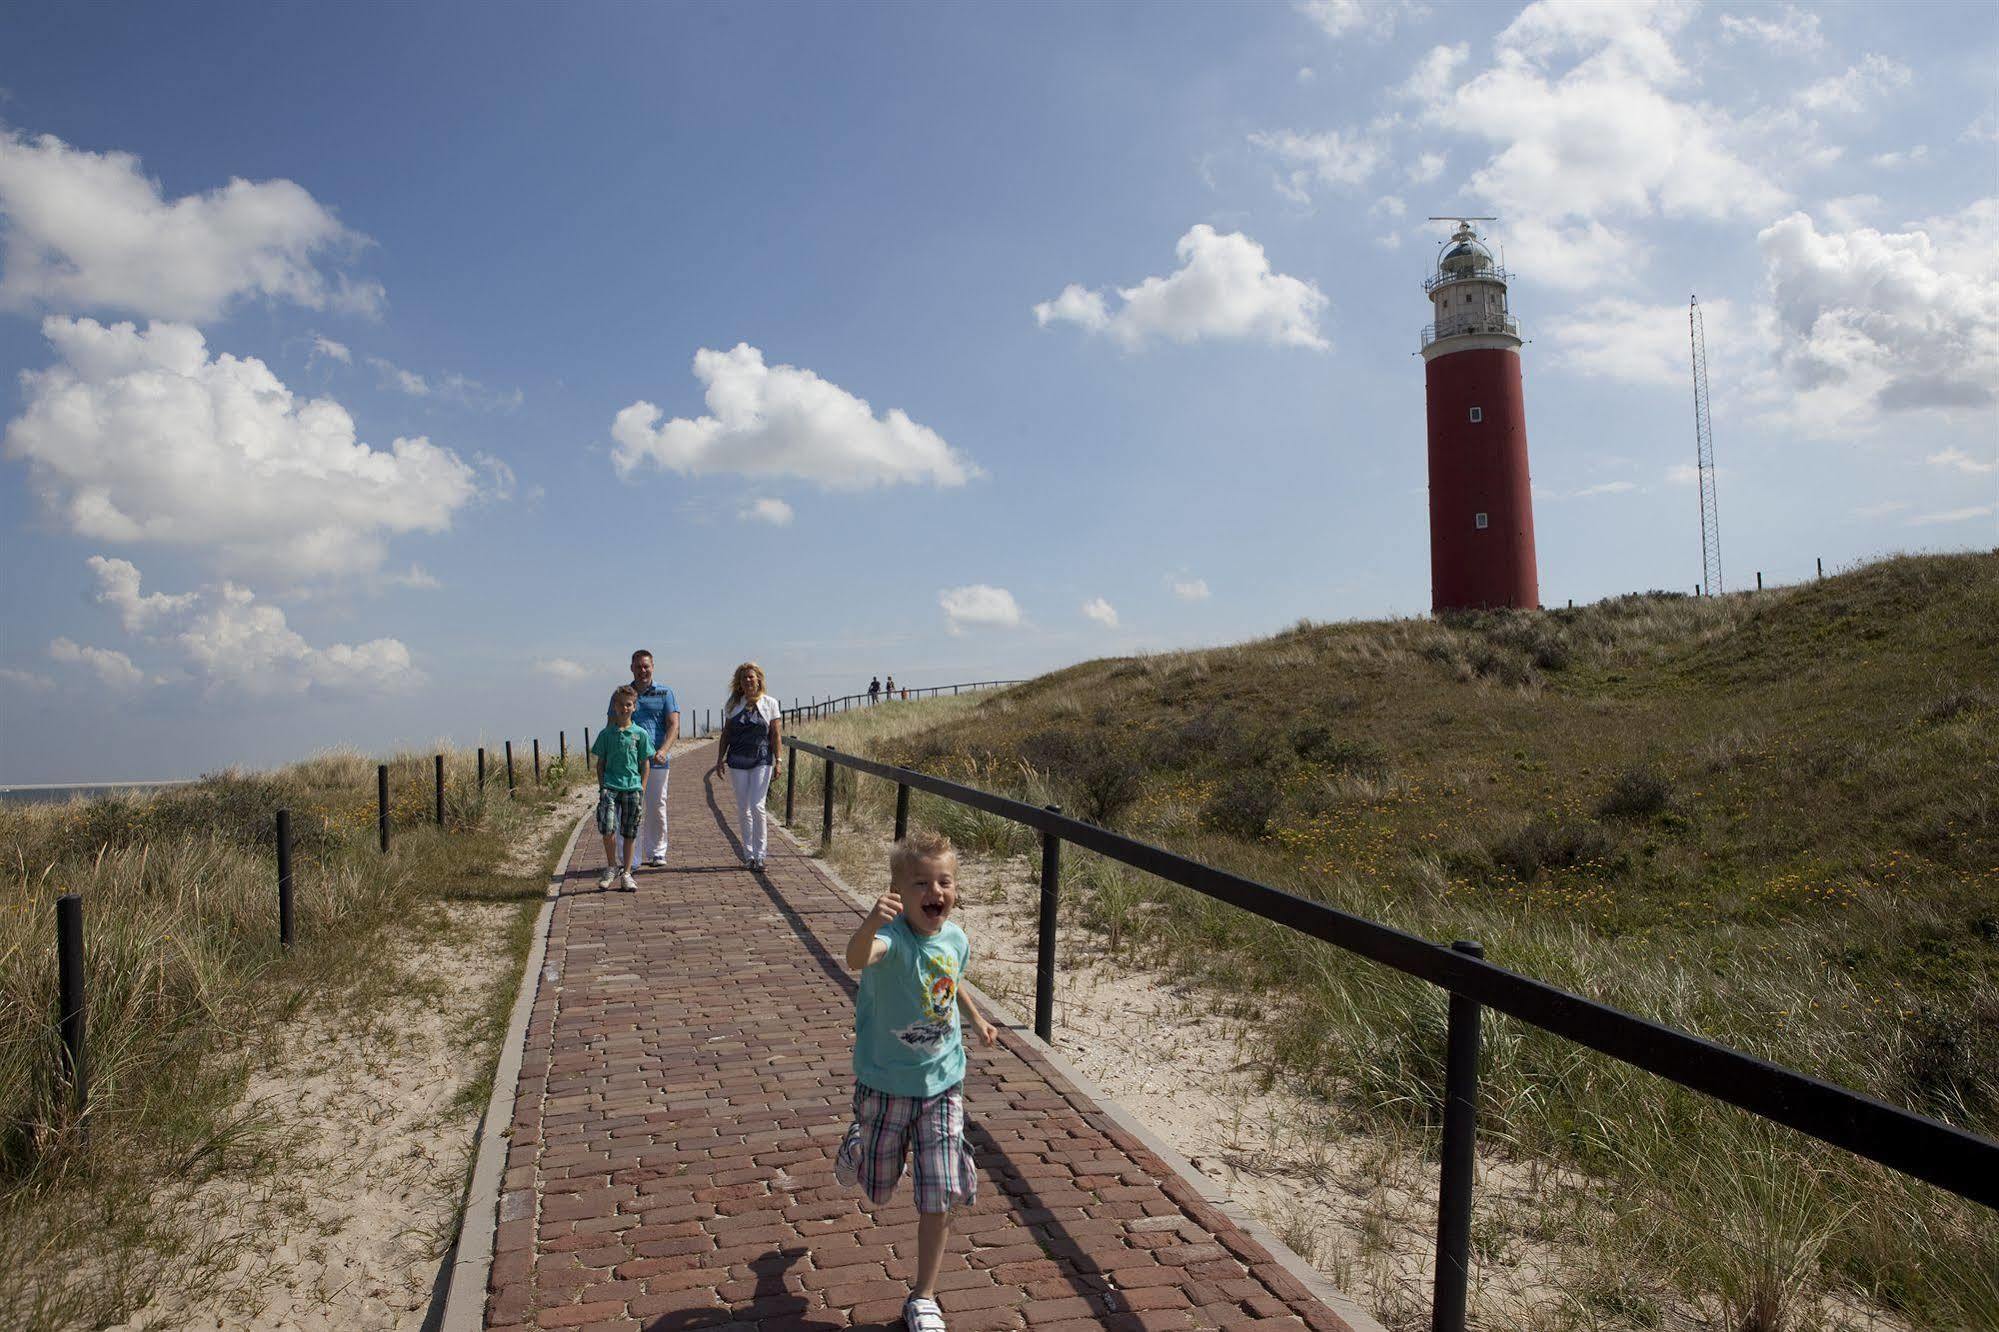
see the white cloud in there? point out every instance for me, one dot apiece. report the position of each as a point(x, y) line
point(1895, 161)
point(1189, 589)
point(118, 588)
point(1873, 78)
point(1223, 289)
point(978, 604)
point(1881, 510)
point(399, 379)
point(1310, 160)
point(563, 669)
point(773, 511)
point(1388, 205)
point(1962, 461)
point(1791, 32)
point(1588, 131)
point(1372, 19)
point(89, 231)
point(1635, 343)
point(1101, 611)
point(1683, 474)
point(1953, 516)
point(25, 680)
point(142, 438)
point(331, 350)
point(416, 577)
point(1871, 322)
point(232, 642)
point(785, 421)
point(451, 387)
point(1307, 74)
point(1436, 73)
point(1425, 169)
point(113, 669)
point(1606, 488)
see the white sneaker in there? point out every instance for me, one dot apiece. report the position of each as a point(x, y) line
point(922, 1315)
point(656, 862)
point(607, 878)
point(626, 883)
point(847, 1161)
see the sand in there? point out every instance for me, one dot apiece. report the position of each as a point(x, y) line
point(349, 1230)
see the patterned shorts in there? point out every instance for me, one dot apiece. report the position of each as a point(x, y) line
point(621, 805)
point(884, 1130)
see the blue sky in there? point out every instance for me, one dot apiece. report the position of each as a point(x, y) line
point(386, 374)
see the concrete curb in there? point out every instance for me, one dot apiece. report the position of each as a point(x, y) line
point(472, 1256)
point(1356, 1318)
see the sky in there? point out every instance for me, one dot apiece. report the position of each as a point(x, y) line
point(381, 375)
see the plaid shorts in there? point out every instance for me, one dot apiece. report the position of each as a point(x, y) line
point(621, 805)
point(880, 1138)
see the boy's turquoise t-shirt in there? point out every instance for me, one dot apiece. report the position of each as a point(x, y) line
point(906, 1014)
point(624, 752)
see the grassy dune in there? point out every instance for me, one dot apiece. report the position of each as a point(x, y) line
point(1768, 819)
point(183, 972)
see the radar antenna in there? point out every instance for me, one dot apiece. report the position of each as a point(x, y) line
point(1704, 453)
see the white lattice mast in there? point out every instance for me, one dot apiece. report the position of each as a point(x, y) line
point(1704, 455)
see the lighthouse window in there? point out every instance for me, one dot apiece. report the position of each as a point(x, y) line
point(1477, 415)
point(1480, 521)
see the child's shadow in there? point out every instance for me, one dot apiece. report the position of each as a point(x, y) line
point(771, 1299)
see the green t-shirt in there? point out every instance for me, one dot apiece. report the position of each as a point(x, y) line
point(906, 1038)
point(624, 752)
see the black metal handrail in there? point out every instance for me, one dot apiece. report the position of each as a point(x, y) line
point(826, 707)
point(1952, 1159)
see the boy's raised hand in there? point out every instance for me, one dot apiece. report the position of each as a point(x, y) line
point(887, 907)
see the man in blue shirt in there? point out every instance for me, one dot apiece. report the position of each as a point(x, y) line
point(659, 717)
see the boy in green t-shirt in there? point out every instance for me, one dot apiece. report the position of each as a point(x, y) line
point(909, 1061)
point(621, 752)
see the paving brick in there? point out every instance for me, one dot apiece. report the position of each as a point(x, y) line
point(685, 1079)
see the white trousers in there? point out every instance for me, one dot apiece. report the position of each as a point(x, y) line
point(752, 785)
point(652, 829)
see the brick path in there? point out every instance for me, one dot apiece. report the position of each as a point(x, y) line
point(686, 1077)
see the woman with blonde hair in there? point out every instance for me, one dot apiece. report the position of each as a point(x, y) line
point(751, 751)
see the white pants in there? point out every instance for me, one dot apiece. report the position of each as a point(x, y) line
point(652, 829)
point(752, 785)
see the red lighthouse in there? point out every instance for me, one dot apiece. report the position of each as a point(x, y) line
point(1481, 506)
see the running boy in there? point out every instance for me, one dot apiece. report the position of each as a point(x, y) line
point(621, 751)
point(909, 1063)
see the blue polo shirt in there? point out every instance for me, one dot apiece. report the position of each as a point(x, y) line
point(649, 715)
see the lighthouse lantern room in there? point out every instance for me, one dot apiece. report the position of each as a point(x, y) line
point(1481, 502)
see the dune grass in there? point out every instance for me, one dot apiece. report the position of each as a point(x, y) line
point(1768, 819)
point(184, 970)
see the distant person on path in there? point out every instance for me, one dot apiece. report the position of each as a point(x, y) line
point(621, 750)
point(659, 717)
point(751, 752)
point(888, 689)
point(875, 690)
point(909, 1061)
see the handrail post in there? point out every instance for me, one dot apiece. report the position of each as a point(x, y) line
point(285, 920)
point(69, 995)
point(1447, 1308)
point(790, 780)
point(826, 807)
point(482, 770)
point(382, 804)
point(586, 747)
point(1044, 958)
point(510, 770)
point(901, 810)
point(562, 748)
point(438, 761)
point(537, 760)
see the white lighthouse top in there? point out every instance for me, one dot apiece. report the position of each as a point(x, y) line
point(1464, 257)
point(1468, 298)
